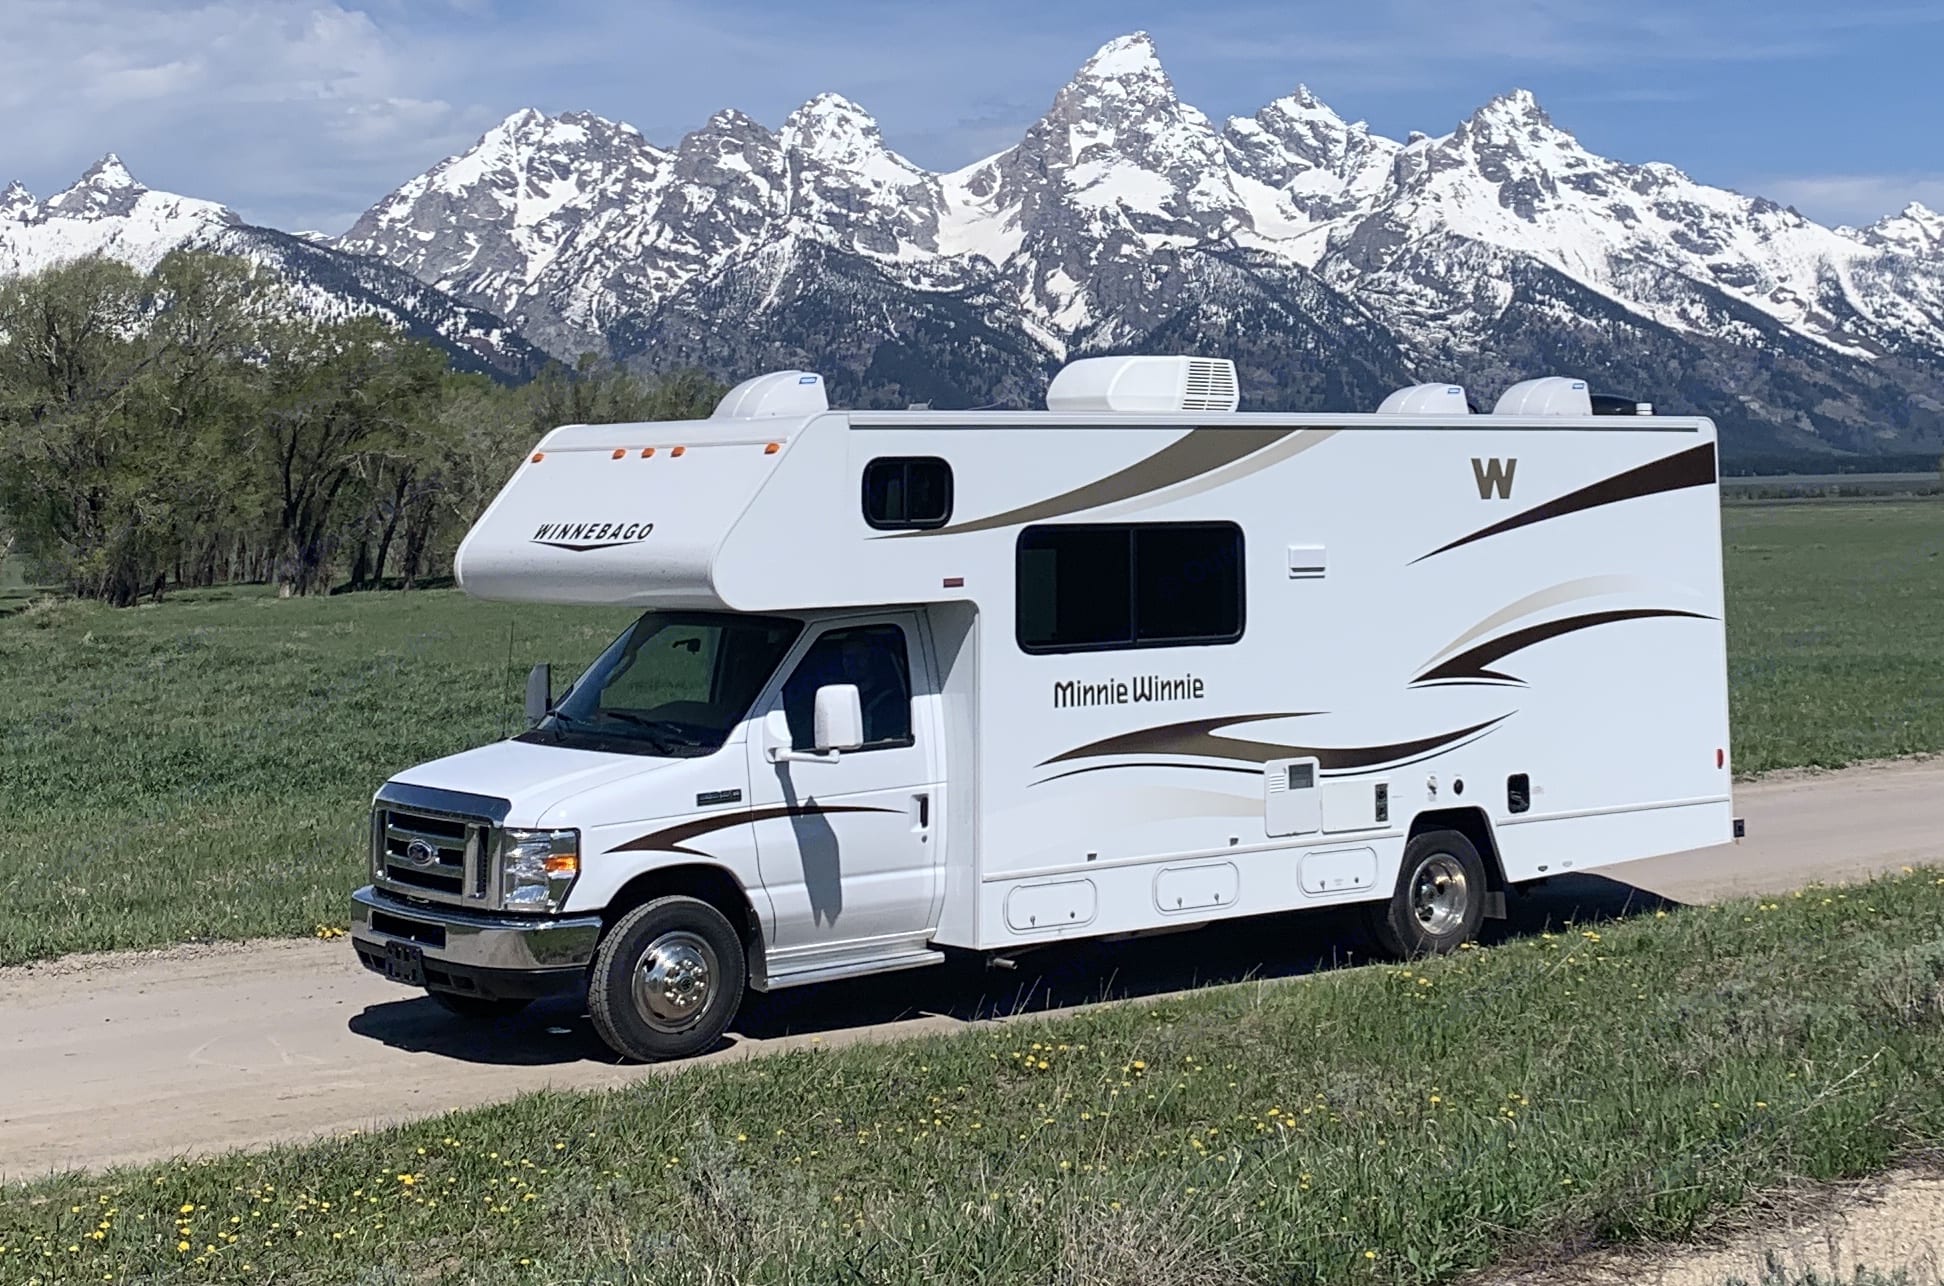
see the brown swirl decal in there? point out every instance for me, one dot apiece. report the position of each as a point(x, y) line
point(1195, 455)
point(1470, 665)
point(1691, 468)
point(671, 839)
point(1195, 739)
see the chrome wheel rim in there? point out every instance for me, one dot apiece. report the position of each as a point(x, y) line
point(674, 981)
point(1440, 895)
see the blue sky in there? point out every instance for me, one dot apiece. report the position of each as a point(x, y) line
point(300, 113)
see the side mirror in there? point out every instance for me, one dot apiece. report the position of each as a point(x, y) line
point(539, 693)
point(839, 719)
point(837, 725)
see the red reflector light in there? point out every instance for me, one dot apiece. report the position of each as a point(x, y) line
point(1721, 757)
point(954, 582)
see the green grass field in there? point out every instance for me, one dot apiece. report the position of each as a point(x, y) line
point(200, 769)
point(1626, 1081)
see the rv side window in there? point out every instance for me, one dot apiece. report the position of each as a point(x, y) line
point(1081, 588)
point(907, 491)
point(871, 656)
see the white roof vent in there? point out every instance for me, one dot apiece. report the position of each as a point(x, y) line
point(1145, 385)
point(1552, 396)
point(1427, 399)
point(778, 393)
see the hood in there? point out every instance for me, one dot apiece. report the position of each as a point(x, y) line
point(533, 777)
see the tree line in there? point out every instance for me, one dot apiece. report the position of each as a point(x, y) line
point(190, 427)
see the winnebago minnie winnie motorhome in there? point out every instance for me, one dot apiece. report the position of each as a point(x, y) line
point(906, 681)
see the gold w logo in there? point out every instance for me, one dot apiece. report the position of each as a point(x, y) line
point(1494, 476)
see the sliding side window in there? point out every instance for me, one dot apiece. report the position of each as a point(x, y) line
point(1086, 587)
point(907, 492)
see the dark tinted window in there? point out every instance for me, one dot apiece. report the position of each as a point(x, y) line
point(1151, 585)
point(907, 491)
point(1187, 583)
point(871, 656)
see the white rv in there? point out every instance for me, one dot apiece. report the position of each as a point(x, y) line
point(912, 681)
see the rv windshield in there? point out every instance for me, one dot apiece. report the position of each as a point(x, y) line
point(674, 684)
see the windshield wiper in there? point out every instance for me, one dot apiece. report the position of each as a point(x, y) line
point(663, 734)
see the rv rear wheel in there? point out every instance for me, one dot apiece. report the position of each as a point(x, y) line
point(666, 980)
point(1440, 897)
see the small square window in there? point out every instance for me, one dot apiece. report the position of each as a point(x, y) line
point(907, 492)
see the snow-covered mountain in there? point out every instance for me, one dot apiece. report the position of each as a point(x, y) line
point(107, 212)
point(1125, 219)
point(1332, 262)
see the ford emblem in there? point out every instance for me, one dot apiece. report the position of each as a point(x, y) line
point(421, 853)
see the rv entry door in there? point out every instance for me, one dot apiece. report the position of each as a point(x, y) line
point(846, 847)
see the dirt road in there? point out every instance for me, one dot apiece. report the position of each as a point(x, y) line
point(126, 1058)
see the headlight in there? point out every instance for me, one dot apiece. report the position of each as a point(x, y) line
point(537, 868)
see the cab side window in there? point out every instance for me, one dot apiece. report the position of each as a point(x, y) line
point(871, 656)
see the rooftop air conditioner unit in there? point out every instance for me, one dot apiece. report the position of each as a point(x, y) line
point(774, 394)
point(1145, 385)
point(1427, 399)
point(1555, 395)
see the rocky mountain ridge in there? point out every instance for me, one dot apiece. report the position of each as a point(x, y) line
point(1332, 262)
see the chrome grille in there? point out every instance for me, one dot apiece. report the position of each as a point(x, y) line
point(436, 845)
point(431, 855)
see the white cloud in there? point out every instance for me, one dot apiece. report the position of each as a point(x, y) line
point(1855, 199)
point(268, 104)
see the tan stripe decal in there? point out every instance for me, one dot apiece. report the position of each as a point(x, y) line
point(670, 839)
point(1195, 453)
point(1568, 592)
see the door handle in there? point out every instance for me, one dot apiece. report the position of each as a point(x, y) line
point(924, 810)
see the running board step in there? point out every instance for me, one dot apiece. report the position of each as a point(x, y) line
point(832, 970)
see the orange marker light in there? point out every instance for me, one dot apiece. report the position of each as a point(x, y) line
point(646, 452)
point(772, 448)
point(619, 452)
point(676, 450)
point(538, 456)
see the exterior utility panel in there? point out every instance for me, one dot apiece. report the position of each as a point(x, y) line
point(1161, 669)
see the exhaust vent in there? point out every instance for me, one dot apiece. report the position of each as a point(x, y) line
point(1145, 385)
point(1427, 399)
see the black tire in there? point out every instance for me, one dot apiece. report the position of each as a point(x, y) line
point(1439, 901)
point(700, 962)
point(465, 1006)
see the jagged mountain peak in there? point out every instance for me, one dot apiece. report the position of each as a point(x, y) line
point(1132, 57)
point(16, 200)
point(833, 125)
point(108, 174)
point(1915, 230)
point(1515, 106)
point(106, 189)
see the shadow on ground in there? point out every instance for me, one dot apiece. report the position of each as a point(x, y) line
point(969, 989)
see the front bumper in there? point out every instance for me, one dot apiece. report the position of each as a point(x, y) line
point(497, 956)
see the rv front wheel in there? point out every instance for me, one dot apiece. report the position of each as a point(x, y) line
point(1440, 897)
point(666, 980)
